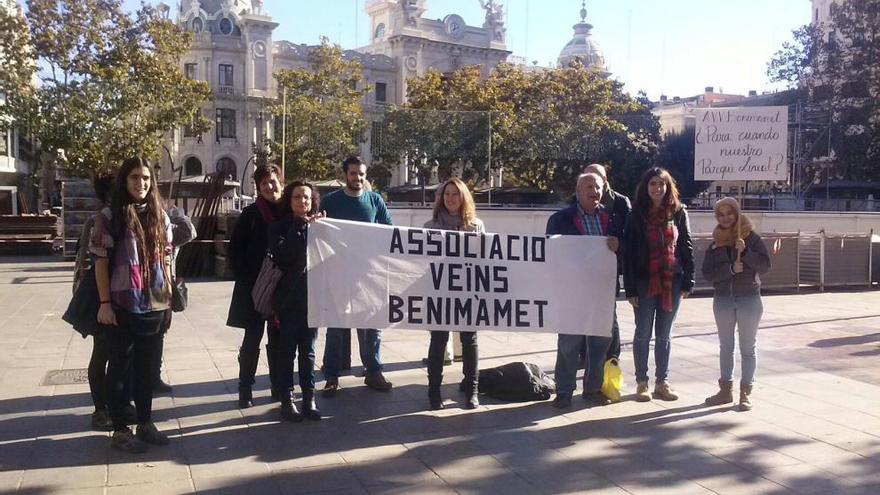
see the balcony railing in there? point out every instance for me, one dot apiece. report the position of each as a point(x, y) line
point(226, 90)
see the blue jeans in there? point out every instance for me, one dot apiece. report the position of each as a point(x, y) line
point(295, 337)
point(744, 314)
point(651, 319)
point(369, 342)
point(568, 349)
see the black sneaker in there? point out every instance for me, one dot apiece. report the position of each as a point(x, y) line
point(148, 433)
point(101, 420)
point(125, 441)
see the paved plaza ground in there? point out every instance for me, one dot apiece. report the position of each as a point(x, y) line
point(815, 428)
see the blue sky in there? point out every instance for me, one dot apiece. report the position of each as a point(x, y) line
point(674, 47)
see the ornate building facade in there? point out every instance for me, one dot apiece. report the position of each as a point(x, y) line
point(235, 53)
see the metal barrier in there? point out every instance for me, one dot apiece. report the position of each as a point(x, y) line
point(784, 249)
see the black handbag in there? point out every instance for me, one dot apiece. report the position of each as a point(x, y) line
point(82, 312)
point(179, 295)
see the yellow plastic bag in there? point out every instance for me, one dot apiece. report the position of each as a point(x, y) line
point(613, 382)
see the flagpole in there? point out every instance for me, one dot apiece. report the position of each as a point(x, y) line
point(283, 133)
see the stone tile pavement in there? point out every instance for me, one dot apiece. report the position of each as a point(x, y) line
point(815, 428)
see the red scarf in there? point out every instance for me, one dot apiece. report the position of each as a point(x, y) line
point(662, 236)
point(267, 210)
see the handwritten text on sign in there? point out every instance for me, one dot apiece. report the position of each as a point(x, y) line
point(744, 143)
point(376, 276)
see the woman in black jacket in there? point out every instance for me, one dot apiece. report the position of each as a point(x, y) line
point(287, 241)
point(247, 249)
point(658, 271)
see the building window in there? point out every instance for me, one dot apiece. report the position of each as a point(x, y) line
point(189, 70)
point(225, 81)
point(381, 92)
point(198, 25)
point(375, 138)
point(226, 26)
point(380, 31)
point(227, 166)
point(5, 142)
point(193, 166)
point(225, 123)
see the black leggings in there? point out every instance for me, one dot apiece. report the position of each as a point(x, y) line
point(98, 371)
point(133, 351)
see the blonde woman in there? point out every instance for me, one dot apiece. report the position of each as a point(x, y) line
point(734, 263)
point(453, 210)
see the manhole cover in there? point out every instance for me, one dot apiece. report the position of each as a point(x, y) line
point(66, 377)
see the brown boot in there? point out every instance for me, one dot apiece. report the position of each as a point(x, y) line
point(745, 404)
point(724, 395)
point(642, 394)
point(663, 391)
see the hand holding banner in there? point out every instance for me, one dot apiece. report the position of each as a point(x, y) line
point(376, 276)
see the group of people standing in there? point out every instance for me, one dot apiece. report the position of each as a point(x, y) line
point(655, 255)
point(132, 246)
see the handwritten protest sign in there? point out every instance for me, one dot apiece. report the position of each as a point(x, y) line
point(743, 143)
point(376, 276)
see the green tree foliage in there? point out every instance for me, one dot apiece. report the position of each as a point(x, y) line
point(109, 85)
point(677, 156)
point(838, 66)
point(324, 115)
point(546, 126)
point(794, 62)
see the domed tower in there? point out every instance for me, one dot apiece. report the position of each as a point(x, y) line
point(582, 46)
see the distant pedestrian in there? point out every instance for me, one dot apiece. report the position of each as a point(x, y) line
point(734, 263)
point(658, 272)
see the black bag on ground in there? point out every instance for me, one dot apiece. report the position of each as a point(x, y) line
point(516, 382)
point(82, 312)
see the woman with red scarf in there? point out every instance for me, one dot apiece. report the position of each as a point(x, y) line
point(247, 249)
point(658, 272)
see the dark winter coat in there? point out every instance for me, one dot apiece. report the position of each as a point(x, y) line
point(247, 248)
point(635, 252)
point(288, 241)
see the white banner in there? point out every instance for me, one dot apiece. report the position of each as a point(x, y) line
point(742, 143)
point(376, 276)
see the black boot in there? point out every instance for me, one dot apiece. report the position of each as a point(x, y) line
point(245, 397)
point(436, 353)
point(270, 358)
point(310, 409)
point(247, 369)
point(434, 397)
point(288, 409)
point(470, 384)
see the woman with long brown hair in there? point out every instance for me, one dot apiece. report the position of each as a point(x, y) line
point(658, 272)
point(454, 209)
point(132, 246)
